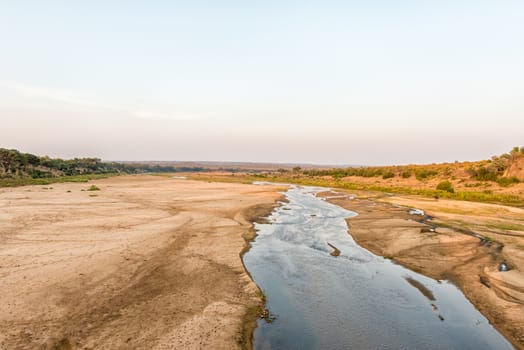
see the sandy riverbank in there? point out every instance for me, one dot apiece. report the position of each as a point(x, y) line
point(387, 229)
point(146, 262)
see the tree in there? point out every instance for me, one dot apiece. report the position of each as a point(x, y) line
point(388, 175)
point(445, 186)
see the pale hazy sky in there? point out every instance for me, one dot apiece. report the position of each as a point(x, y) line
point(324, 81)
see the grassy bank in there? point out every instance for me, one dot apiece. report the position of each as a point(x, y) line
point(472, 196)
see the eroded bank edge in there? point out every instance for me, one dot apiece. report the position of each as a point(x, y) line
point(255, 214)
point(459, 282)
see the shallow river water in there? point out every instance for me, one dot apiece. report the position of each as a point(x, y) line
point(354, 301)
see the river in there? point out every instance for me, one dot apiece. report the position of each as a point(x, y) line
point(356, 300)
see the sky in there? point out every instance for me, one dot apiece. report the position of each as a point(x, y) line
point(325, 82)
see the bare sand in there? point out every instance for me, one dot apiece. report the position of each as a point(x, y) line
point(154, 262)
point(147, 262)
point(442, 249)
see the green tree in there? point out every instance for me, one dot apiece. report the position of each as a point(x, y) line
point(445, 186)
point(388, 175)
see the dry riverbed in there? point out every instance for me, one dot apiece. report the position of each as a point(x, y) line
point(145, 262)
point(153, 262)
point(443, 248)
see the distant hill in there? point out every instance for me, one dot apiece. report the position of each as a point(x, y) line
point(497, 180)
point(506, 168)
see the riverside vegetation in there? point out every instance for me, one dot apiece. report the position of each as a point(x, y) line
point(18, 169)
point(464, 241)
point(474, 223)
point(498, 180)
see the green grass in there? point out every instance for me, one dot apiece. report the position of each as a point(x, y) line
point(505, 226)
point(14, 182)
point(471, 196)
point(247, 179)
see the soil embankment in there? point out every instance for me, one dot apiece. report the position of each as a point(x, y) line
point(143, 263)
point(387, 229)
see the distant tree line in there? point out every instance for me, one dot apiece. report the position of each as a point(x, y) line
point(420, 172)
point(490, 170)
point(15, 164)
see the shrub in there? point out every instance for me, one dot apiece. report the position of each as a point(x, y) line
point(424, 174)
point(388, 175)
point(486, 173)
point(506, 181)
point(406, 174)
point(93, 188)
point(446, 186)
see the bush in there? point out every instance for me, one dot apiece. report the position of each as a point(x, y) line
point(388, 175)
point(424, 174)
point(406, 174)
point(446, 186)
point(486, 173)
point(93, 188)
point(506, 181)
